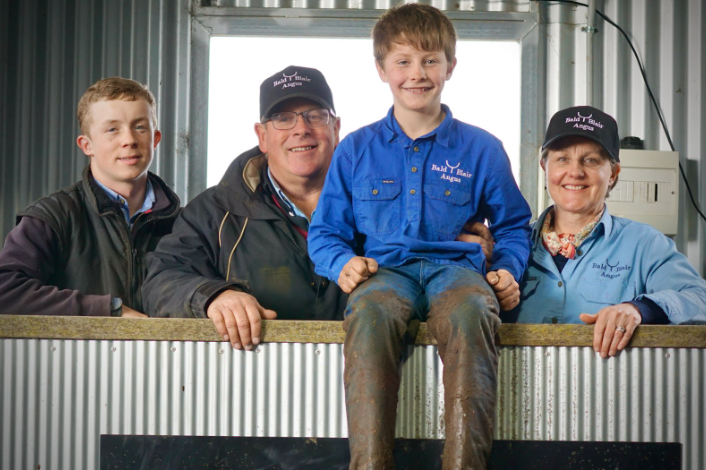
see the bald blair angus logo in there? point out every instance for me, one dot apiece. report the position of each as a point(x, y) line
point(290, 81)
point(450, 172)
point(584, 122)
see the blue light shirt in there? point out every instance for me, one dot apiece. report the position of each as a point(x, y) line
point(292, 206)
point(409, 199)
point(620, 261)
point(147, 205)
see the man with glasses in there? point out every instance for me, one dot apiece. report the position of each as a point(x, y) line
point(238, 251)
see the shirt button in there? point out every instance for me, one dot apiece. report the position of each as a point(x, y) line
point(416, 149)
point(554, 320)
point(414, 169)
point(122, 201)
point(413, 192)
point(447, 192)
point(579, 252)
point(313, 284)
point(375, 191)
point(324, 282)
point(560, 284)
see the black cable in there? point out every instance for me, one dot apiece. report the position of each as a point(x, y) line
point(649, 91)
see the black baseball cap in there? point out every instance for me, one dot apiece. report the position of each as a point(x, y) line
point(585, 121)
point(294, 82)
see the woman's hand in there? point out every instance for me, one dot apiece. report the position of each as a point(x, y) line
point(615, 326)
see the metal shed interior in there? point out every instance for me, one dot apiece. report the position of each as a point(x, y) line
point(51, 51)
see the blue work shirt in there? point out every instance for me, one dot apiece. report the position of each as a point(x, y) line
point(409, 199)
point(620, 261)
point(147, 205)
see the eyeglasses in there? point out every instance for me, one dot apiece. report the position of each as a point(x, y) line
point(288, 120)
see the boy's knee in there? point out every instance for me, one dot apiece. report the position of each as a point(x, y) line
point(467, 309)
point(378, 312)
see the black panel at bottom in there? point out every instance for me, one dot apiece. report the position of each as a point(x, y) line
point(275, 453)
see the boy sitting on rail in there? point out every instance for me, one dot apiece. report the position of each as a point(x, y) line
point(403, 188)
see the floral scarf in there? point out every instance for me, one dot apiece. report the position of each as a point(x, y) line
point(563, 243)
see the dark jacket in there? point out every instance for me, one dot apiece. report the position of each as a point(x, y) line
point(73, 250)
point(234, 236)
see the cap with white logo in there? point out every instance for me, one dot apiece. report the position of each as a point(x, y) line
point(585, 121)
point(294, 82)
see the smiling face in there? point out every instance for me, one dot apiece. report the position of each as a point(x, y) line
point(120, 141)
point(416, 78)
point(579, 175)
point(300, 155)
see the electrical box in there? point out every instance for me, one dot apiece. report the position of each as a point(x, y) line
point(647, 189)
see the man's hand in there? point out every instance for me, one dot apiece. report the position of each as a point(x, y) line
point(608, 339)
point(506, 288)
point(127, 312)
point(236, 316)
point(357, 270)
point(476, 232)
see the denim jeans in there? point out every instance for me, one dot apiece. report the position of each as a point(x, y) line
point(461, 312)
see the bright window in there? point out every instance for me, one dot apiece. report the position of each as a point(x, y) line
point(484, 90)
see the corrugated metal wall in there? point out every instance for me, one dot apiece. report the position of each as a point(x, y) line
point(51, 51)
point(57, 397)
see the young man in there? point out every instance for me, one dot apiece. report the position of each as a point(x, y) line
point(80, 250)
point(401, 190)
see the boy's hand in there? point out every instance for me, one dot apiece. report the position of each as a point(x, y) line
point(237, 317)
point(476, 232)
point(506, 288)
point(357, 270)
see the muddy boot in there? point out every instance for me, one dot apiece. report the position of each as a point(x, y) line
point(464, 320)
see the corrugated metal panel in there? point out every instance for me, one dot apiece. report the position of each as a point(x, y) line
point(50, 52)
point(57, 397)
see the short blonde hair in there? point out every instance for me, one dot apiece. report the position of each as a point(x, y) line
point(114, 88)
point(423, 27)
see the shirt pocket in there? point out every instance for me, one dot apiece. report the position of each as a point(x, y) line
point(446, 209)
point(608, 292)
point(377, 206)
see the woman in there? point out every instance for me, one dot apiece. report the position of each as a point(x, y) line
point(588, 266)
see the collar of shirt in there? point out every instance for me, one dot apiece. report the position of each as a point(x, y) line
point(440, 134)
point(122, 203)
point(284, 197)
point(606, 221)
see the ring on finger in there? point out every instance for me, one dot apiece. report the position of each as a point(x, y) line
point(621, 328)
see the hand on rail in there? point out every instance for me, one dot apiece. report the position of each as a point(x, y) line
point(237, 317)
point(130, 313)
point(614, 328)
